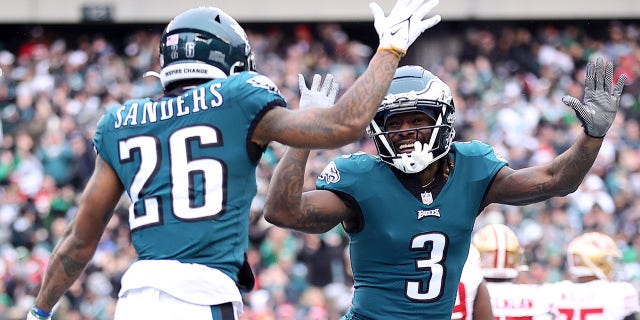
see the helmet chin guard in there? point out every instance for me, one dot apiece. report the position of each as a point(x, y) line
point(408, 163)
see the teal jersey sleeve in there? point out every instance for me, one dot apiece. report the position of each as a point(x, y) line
point(257, 89)
point(343, 173)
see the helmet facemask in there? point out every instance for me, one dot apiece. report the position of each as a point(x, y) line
point(433, 98)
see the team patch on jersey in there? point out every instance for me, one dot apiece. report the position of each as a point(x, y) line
point(263, 82)
point(330, 174)
point(428, 213)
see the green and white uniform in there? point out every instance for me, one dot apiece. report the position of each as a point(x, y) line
point(408, 256)
point(187, 163)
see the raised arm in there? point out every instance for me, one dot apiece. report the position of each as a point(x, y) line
point(80, 239)
point(564, 174)
point(321, 128)
point(286, 206)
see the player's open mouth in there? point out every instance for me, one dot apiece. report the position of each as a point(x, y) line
point(405, 147)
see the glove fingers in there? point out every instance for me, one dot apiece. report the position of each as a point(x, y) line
point(599, 74)
point(617, 90)
point(573, 102)
point(425, 8)
point(315, 84)
point(590, 78)
point(377, 12)
point(334, 91)
point(326, 85)
point(608, 77)
point(426, 24)
point(413, 5)
point(301, 84)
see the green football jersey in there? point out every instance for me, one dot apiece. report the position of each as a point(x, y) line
point(408, 257)
point(186, 163)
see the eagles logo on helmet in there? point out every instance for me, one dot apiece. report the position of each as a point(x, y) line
point(415, 89)
point(592, 254)
point(500, 252)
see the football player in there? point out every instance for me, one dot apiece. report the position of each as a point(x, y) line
point(593, 293)
point(501, 261)
point(410, 210)
point(473, 302)
point(188, 160)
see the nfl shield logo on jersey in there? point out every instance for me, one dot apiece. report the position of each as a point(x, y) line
point(427, 198)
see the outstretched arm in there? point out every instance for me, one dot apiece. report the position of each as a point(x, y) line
point(286, 205)
point(345, 123)
point(320, 128)
point(564, 174)
point(80, 239)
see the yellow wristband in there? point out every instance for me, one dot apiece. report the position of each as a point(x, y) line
point(396, 51)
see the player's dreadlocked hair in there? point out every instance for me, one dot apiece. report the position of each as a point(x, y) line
point(446, 166)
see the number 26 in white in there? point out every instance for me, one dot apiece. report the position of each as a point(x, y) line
point(183, 169)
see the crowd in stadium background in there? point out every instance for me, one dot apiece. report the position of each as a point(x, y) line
point(507, 83)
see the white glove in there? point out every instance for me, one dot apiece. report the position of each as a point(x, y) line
point(403, 25)
point(317, 96)
point(421, 158)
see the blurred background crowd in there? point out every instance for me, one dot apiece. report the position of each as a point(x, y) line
point(507, 80)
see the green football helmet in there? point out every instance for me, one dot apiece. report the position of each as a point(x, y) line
point(203, 43)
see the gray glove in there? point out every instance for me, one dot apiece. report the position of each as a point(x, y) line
point(600, 105)
point(318, 96)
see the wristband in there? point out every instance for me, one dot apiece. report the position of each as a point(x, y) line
point(37, 312)
point(396, 51)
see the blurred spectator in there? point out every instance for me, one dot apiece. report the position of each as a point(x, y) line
point(507, 79)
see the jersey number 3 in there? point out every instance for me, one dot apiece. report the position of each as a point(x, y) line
point(183, 169)
point(435, 245)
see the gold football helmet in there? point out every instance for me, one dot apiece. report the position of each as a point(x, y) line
point(500, 252)
point(592, 254)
